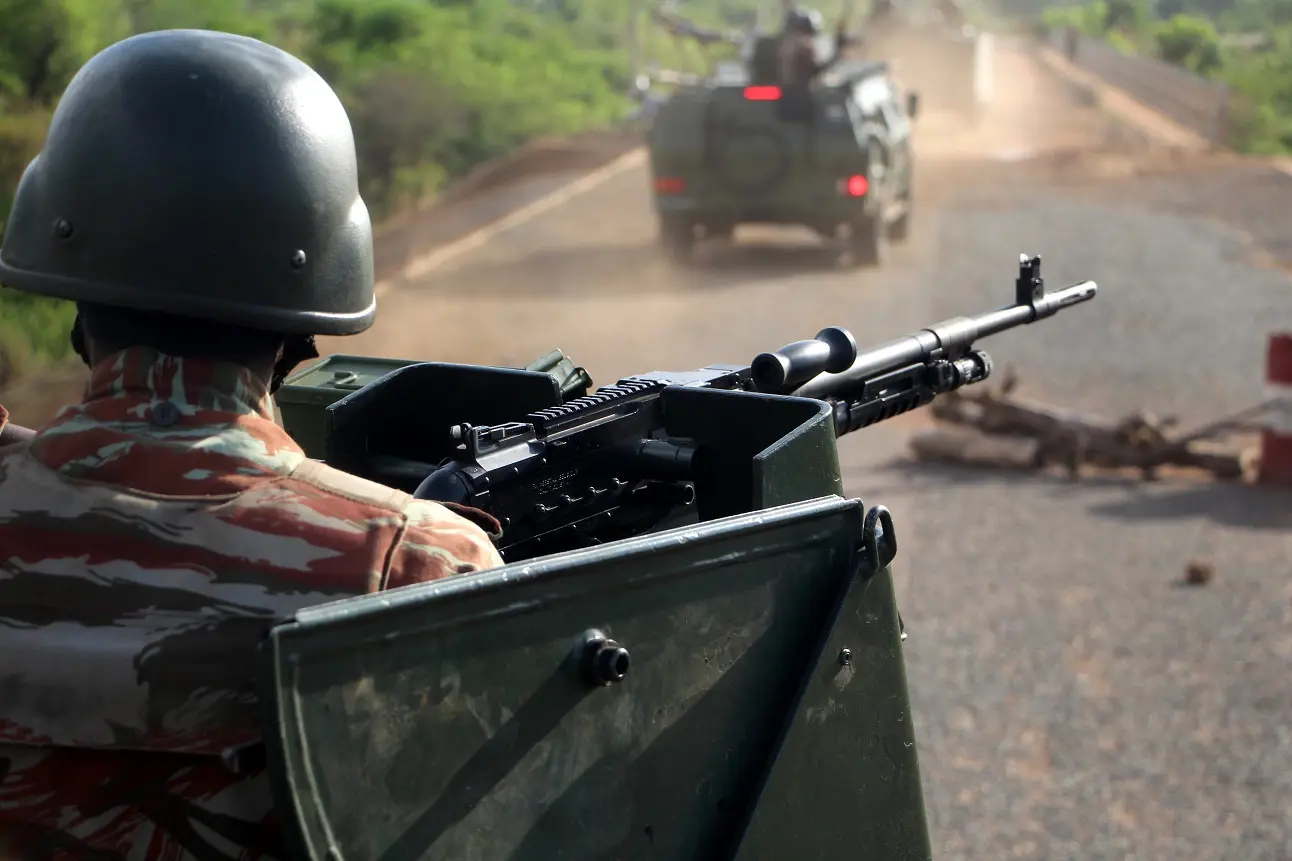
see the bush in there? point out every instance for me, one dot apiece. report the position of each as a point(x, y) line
point(21, 135)
point(1089, 19)
point(1190, 42)
point(33, 332)
point(1258, 74)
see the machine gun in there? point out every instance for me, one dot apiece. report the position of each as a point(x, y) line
point(605, 466)
point(764, 642)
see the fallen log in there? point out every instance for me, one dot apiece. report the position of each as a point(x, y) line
point(1072, 439)
point(968, 447)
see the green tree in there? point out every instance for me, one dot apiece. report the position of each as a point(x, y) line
point(1189, 41)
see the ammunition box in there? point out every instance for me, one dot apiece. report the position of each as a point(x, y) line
point(307, 393)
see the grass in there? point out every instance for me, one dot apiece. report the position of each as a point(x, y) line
point(40, 339)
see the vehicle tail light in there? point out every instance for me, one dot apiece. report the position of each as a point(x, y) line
point(669, 185)
point(854, 186)
point(762, 94)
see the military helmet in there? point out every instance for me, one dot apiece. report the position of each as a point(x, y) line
point(803, 21)
point(201, 174)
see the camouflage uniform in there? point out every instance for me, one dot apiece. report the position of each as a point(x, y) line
point(152, 534)
point(166, 521)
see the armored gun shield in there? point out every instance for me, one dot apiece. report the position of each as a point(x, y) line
point(730, 690)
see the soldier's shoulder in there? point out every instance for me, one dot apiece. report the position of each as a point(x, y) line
point(421, 514)
point(335, 482)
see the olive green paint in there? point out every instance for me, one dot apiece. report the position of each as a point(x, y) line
point(450, 720)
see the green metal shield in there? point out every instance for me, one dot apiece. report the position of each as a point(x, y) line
point(733, 689)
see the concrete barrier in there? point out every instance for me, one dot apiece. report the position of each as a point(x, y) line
point(1276, 438)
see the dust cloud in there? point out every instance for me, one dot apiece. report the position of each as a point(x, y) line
point(588, 274)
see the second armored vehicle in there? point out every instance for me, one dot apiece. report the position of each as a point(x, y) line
point(834, 157)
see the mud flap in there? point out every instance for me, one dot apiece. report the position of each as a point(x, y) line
point(733, 689)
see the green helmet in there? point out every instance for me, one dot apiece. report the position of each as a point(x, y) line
point(201, 174)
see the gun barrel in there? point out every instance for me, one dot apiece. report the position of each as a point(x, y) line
point(949, 335)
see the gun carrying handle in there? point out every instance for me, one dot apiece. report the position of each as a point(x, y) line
point(833, 350)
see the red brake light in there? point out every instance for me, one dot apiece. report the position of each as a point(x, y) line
point(856, 186)
point(669, 185)
point(762, 94)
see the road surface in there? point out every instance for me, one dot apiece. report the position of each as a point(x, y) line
point(1071, 701)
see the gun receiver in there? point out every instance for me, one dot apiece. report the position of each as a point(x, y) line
point(602, 467)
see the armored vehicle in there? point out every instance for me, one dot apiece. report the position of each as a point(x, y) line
point(834, 156)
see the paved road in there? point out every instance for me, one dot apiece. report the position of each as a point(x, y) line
point(1071, 701)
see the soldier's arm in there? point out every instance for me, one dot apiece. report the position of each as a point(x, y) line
point(841, 43)
point(439, 542)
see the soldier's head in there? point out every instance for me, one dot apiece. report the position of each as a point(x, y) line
point(197, 192)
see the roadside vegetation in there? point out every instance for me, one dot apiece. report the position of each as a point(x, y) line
point(1246, 44)
point(433, 88)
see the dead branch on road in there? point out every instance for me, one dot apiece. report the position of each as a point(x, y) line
point(995, 428)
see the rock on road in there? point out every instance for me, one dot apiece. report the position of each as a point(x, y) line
point(1071, 702)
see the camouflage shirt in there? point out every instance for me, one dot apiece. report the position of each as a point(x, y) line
point(148, 537)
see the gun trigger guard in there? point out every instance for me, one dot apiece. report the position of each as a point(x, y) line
point(878, 541)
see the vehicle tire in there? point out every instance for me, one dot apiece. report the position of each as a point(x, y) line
point(869, 241)
point(677, 237)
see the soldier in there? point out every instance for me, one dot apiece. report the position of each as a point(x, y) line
point(797, 50)
point(197, 197)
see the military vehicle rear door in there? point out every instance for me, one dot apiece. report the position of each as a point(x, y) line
point(729, 690)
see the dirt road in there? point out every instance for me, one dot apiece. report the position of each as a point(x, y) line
point(1071, 702)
